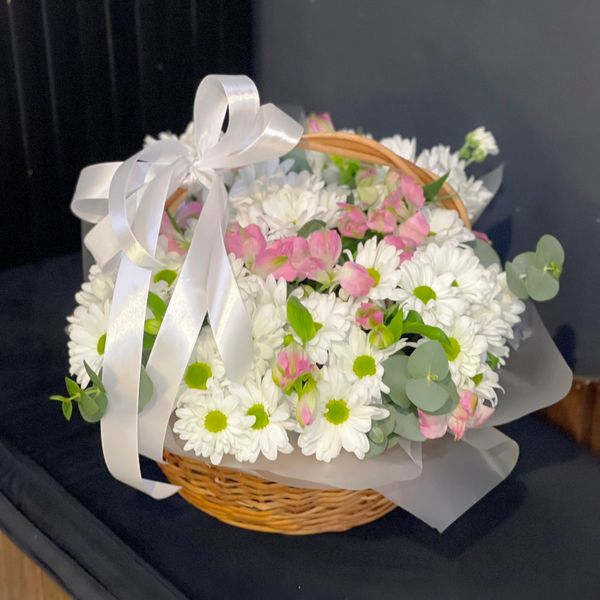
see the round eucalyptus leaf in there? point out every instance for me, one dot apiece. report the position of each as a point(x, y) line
point(376, 450)
point(387, 425)
point(428, 359)
point(549, 250)
point(427, 395)
point(407, 426)
point(515, 282)
point(541, 285)
point(522, 261)
point(395, 376)
point(376, 435)
point(484, 252)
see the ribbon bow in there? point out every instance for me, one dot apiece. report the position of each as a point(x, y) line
point(126, 201)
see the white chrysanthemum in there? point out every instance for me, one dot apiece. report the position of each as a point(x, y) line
point(211, 424)
point(382, 261)
point(404, 147)
point(361, 362)
point(446, 227)
point(343, 420)
point(99, 287)
point(440, 160)
point(484, 141)
point(87, 339)
point(268, 435)
point(467, 271)
point(246, 176)
point(333, 316)
point(431, 295)
point(468, 350)
point(205, 368)
point(280, 209)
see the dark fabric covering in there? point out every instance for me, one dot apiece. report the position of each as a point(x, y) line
point(536, 535)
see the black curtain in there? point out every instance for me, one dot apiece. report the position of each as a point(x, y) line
point(82, 81)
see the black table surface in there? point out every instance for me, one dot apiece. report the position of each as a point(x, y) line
point(535, 535)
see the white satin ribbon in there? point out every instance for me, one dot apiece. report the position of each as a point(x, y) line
point(126, 202)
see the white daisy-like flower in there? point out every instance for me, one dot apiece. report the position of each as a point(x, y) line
point(483, 142)
point(87, 339)
point(446, 227)
point(467, 271)
point(343, 420)
point(361, 362)
point(421, 289)
point(468, 350)
point(382, 261)
point(273, 169)
point(205, 369)
point(211, 424)
point(264, 401)
point(99, 287)
point(440, 160)
point(404, 147)
point(281, 209)
point(333, 317)
point(485, 384)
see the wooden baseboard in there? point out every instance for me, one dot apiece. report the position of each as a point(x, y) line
point(22, 579)
point(579, 413)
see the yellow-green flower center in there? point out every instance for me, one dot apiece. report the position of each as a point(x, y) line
point(364, 366)
point(197, 375)
point(375, 274)
point(260, 414)
point(337, 412)
point(424, 293)
point(215, 421)
point(101, 345)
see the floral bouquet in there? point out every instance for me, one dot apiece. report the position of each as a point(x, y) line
point(310, 314)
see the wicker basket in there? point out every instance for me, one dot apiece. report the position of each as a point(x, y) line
point(254, 503)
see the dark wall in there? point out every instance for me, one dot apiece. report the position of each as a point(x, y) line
point(82, 81)
point(527, 69)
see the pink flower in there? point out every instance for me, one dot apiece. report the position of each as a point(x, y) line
point(460, 416)
point(415, 229)
point(355, 279)
point(171, 234)
point(190, 210)
point(432, 426)
point(325, 247)
point(245, 242)
point(381, 220)
point(369, 315)
point(292, 363)
point(352, 221)
point(395, 204)
point(319, 123)
point(412, 191)
point(306, 405)
point(288, 258)
point(482, 236)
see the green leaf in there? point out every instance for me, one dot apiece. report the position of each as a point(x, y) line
point(88, 408)
point(549, 250)
point(376, 450)
point(428, 360)
point(515, 281)
point(72, 387)
point(148, 342)
point(146, 389)
point(452, 401)
point(493, 361)
point(541, 286)
point(413, 317)
point(67, 410)
point(94, 377)
point(376, 435)
point(429, 331)
point(166, 275)
point(393, 440)
point(396, 325)
point(426, 394)
point(432, 189)
point(484, 252)
point(395, 376)
point(387, 425)
point(300, 319)
point(151, 326)
point(176, 226)
point(157, 305)
point(58, 398)
point(407, 425)
point(311, 227)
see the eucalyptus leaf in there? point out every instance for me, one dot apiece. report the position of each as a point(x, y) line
point(549, 250)
point(146, 389)
point(300, 319)
point(311, 227)
point(515, 281)
point(426, 394)
point(387, 425)
point(523, 261)
point(541, 285)
point(393, 440)
point(407, 425)
point(376, 435)
point(376, 450)
point(453, 398)
point(484, 252)
point(428, 359)
point(395, 376)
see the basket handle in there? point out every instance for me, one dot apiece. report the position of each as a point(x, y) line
point(367, 150)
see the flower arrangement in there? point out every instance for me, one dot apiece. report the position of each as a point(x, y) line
point(377, 315)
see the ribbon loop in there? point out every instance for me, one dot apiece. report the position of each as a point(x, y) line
point(126, 202)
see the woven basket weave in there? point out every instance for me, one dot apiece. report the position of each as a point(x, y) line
point(254, 503)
